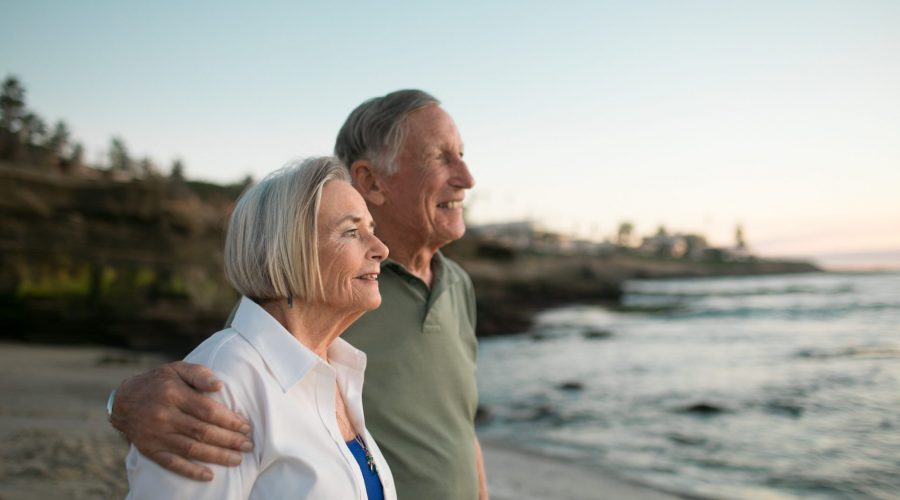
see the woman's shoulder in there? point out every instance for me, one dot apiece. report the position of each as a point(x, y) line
point(229, 355)
point(224, 344)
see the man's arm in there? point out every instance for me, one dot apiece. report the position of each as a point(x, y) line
point(482, 477)
point(165, 415)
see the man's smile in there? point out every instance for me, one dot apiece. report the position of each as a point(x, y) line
point(451, 204)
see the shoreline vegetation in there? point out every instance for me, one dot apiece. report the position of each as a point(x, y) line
point(124, 255)
point(137, 263)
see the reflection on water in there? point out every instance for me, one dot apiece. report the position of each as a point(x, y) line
point(775, 387)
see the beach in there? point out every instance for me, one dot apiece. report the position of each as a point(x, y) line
point(58, 444)
point(516, 474)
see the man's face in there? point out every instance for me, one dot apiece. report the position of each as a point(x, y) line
point(425, 195)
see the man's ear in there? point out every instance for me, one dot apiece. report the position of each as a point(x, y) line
point(367, 181)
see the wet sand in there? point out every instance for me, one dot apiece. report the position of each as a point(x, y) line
point(56, 440)
point(516, 474)
point(58, 444)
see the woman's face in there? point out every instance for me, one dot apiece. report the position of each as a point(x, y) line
point(349, 253)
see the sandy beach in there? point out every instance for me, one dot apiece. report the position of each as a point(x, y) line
point(57, 443)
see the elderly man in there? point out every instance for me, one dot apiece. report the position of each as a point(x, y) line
point(405, 157)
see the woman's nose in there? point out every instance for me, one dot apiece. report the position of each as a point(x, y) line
point(378, 251)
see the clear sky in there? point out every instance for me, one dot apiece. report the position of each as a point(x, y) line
point(783, 116)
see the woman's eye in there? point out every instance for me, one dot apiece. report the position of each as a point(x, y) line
point(352, 233)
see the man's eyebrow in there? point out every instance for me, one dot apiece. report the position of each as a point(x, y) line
point(439, 148)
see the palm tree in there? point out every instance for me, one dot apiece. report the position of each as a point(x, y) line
point(623, 237)
point(740, 241)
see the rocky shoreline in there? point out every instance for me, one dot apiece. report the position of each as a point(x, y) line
point(511, 291)
point(138, 264)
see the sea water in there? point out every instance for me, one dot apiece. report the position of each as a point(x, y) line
point(756, 387)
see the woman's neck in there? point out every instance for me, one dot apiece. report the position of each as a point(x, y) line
point(315, 325)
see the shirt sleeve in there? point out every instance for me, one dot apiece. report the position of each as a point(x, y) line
point(147, 480)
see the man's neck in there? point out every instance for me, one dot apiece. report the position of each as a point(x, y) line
point(416, 261)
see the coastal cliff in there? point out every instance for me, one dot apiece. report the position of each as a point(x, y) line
point(138, 263)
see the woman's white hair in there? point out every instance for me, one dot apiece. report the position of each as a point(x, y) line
point(271, 248)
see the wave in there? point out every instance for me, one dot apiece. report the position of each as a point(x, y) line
point(858, 352)
point(764, 291)
point(825, 311)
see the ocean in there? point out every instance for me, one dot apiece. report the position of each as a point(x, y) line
point(771, 387)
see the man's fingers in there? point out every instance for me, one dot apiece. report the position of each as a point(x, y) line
point(197, 376)
point(181, 466)
point(195, 450)
point(212, 435)
point(212, 412)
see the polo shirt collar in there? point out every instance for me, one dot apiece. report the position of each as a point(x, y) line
point(287, 358)
point(442, 279)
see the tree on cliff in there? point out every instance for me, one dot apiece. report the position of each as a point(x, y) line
point(58, 140)
point(33, 129)
point(77, 156)
point(12, 103)
point(177, 170)
point(148, 168)
point(74, 160)
point(118, 156)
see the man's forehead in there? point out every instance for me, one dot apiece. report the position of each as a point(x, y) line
point(435, 129)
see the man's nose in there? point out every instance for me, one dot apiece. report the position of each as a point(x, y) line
point(462, 177)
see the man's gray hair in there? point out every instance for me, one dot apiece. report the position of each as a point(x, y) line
point(374, 131)
point(271, 248)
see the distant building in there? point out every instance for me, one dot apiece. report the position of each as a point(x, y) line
point(528, 236)
point(674, 246)
point(520, 235)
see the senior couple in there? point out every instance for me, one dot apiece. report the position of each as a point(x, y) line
point(307, 248)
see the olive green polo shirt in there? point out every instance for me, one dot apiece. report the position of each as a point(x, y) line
point(420, 395)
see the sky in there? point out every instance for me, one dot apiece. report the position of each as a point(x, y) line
point(780, 116)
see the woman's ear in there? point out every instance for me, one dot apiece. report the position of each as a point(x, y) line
point(367, 181)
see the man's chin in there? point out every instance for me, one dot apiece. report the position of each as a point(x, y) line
point(448, 237)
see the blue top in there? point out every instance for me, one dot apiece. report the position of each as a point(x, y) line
point(374, 489)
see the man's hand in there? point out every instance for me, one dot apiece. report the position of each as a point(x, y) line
point(163, 413)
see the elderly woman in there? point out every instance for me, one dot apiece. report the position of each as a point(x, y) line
point(301, 250)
